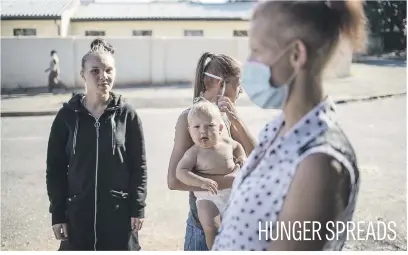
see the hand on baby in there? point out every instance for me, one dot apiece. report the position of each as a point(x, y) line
point(240, 161)
point(210, 185)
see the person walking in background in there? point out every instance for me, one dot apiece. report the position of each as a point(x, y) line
point(54, 73)
point(214, 73)
point(96, 163)
point(303, 169)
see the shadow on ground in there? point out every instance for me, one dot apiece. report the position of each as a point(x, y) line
point(383, 62)
point(21, 93)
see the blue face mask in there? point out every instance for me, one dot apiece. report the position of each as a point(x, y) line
point(260, 86)
point(256, 79)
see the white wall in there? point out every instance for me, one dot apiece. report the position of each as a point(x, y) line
point(24, 60)
point(138, 60)
point(133, 59)
point(44, 27)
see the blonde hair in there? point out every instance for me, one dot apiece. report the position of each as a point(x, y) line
point(206, 109)
point(319, 24)
point(217, 64)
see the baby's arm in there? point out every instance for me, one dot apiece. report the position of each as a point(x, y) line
point(184, 170)
point(239, 153)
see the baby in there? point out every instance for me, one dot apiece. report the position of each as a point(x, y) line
point(211, 154)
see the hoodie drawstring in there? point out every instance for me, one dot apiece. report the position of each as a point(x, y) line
point(75, 132)
point(113, 132)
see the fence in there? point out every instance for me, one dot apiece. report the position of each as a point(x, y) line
point(138, 60)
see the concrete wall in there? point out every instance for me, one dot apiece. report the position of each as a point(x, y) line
point(159, 28)
point(138, 60)
point(44, 27)
point(24, 60)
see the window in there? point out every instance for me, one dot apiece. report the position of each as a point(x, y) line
point(193, 33)
point(25, 32)
point(94, 33)
point(240, 33)
point(142, 33)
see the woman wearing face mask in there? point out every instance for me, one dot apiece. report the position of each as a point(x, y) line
point(303, 169)
point(217, 81)
point(96, 163)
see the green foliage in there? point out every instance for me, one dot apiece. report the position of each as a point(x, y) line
point(386, 16)
point(387, 19)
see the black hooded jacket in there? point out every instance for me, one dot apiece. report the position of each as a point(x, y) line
point(96, 173)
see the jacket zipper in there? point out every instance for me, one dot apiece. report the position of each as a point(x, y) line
point(97, 125)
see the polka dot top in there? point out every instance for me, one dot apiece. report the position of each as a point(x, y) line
point(259, 190)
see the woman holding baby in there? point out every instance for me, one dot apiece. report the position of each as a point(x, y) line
point(216, 82)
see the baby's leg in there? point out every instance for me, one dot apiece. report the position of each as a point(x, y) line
point(209, 217)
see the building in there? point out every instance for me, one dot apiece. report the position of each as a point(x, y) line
point(42, 18)
point(155, 43)
point(123, 18)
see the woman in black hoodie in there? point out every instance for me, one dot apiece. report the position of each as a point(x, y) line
point(96, 165)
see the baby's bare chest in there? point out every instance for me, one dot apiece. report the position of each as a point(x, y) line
point(218, 160)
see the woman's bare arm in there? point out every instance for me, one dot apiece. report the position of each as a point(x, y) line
point(182, 142)
point(239, 132)
point(318, 194)
point(242, 135)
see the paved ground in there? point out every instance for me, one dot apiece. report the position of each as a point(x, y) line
point(366, 80)
point(377, 130)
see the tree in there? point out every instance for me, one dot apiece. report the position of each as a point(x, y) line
point(388, 19)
